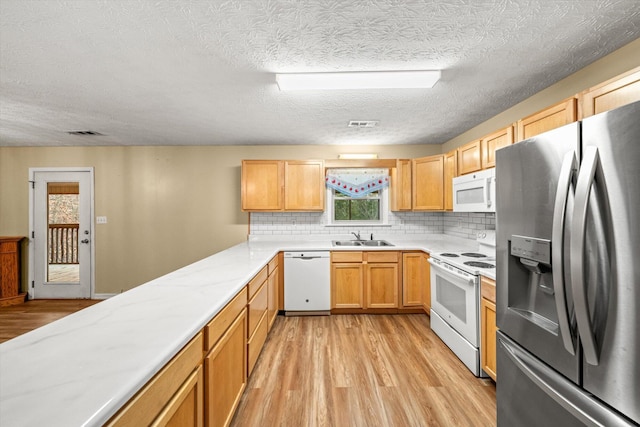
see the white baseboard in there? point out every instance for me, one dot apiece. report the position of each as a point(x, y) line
point(103, 296)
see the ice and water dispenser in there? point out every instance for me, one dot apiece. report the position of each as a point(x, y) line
point(530, 278)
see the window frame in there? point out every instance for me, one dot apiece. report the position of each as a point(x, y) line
point(384, 210)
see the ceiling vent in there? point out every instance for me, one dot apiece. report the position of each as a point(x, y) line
point(85, 133)
point(363, 123)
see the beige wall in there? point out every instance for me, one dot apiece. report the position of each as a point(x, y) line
point(618, 62)
point(166, 206)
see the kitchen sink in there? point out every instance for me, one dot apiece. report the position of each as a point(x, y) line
point(376, 243)
point(360, 243)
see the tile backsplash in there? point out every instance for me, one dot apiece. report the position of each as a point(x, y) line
point(459, 224)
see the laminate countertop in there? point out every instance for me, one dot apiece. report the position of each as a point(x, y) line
point(80, 370)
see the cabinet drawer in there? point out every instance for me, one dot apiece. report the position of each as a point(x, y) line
point(145, 406)
point(220, 323)
point(256, 342)
point(346, 256)
point(488, 289)
point(273, 264)
point(257, 308)
point(383, 256)
point(257, 281)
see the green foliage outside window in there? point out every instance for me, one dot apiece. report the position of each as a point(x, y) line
point(364, 209)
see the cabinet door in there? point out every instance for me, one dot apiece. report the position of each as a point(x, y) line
point(490, 143)
point(262, 185)
point(469, 158)
point(412, 279)
point(611, 94)
point(450, 172)
point(304, 185)
point(272, 283)
point(401, 186)
point(428, 183)
point(426, 283)
point(488, 337)
point(382, 285)
point(186, 409)
point(347, 280)
point(550, 118)
point(226, 373)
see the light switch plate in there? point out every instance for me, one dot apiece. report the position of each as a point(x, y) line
point(101, 220)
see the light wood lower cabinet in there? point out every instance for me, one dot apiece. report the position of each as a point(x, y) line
point(347, 280)
point(412, 277)
point(258, 325)
point(488, 327)
point(226, 373)
point(426, 283)
point(173, 397)
point(273, 283)
point(362, 280)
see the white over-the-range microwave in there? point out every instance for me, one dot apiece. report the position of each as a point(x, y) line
point(475, 192)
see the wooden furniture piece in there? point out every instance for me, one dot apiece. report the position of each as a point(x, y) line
point(469, 157)
point(258, 322)
point(557, 115)
point(365, 280)
point(10, 271)
point(426, 283)
point(273, 282)
point(412, 278)
point(401, 185)
point(282, 185)
point(428, 183)
point(490, 143)
point(488, 326)
point(173, 397)
point(621, 90)
point(450, 172)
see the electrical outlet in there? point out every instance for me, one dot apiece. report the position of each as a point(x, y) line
point(293, 222)
point(101, 220)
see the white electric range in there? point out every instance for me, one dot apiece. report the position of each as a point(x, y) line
point(455, 297)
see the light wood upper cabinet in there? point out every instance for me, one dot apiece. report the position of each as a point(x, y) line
point(401, 185)
point(262, 182)
point(450, 172)
point(488, 328)
point(563, 113)
point(469, 158)
point(304, 185)
point(428, 183)
point(614, 93)
point(490, 143)
point(277, 185)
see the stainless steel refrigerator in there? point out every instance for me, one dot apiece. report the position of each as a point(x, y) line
point(568, 274)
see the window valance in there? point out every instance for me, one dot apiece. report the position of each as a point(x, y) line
point(357, 182)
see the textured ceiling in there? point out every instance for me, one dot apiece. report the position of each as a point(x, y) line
point(145, 72)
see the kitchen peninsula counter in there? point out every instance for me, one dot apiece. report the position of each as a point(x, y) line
point(81, 369)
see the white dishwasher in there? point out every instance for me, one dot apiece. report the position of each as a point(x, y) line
point(307, 283)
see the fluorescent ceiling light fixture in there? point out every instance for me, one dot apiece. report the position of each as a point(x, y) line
point(358, 80)
point(357, 156)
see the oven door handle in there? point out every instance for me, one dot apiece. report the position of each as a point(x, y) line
point(466, 278)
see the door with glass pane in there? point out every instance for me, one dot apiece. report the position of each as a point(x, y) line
point(62, 233)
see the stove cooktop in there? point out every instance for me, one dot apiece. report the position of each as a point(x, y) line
point(471, 262)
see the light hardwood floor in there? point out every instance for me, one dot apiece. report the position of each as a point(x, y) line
point(19, 319)
point(364, 370)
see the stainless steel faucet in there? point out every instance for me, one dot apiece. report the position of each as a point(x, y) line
point(356, 234)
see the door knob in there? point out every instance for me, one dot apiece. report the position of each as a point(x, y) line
point(84, 241)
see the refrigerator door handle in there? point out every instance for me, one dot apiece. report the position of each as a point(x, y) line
point(580, 404)
point(577, 245)
point(569, 166)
